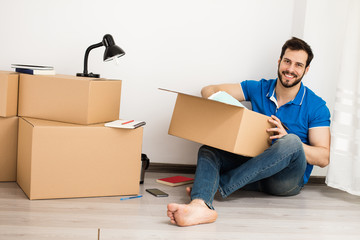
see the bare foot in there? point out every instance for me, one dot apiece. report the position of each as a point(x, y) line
point(196, 212)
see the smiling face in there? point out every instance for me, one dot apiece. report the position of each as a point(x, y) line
point(291, 68)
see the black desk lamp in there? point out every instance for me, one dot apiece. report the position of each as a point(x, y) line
point(112, 51)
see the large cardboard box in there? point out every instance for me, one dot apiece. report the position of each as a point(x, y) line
point(8, 148)
point(62, 160)
point(8, 93)
point(69, 99)
point(220, 125)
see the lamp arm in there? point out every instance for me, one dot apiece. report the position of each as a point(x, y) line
point(87, 55)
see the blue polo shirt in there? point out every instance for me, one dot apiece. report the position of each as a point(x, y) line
point(306, 111)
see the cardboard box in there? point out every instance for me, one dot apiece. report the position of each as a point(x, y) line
point(62, 160)
point(220, 125)
point(9, 82)
point(69, 99)
point(8, 148)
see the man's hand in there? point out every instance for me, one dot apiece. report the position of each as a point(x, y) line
point(234, 89)
point(279, 130)
point(318, 150)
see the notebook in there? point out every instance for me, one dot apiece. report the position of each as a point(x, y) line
point(175, 180)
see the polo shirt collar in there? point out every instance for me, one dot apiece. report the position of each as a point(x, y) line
point(299, 96)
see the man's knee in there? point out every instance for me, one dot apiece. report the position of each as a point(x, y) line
point(206, 148)
point(291, 140)
point(207, 152)
point(210, 155)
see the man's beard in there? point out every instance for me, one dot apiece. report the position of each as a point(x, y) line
point(286, 85)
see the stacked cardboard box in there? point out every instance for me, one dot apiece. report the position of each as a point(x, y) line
point(8, 125)
point(64, 149)
point(62, 160)
point(8, 148)
point(69, 99)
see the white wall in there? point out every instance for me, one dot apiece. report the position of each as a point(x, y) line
point(180, 45)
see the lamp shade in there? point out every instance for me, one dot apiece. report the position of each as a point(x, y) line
point(112, 51)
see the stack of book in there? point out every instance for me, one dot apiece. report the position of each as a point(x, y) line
point(34, 69)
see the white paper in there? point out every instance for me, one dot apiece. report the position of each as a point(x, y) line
point(224, 97)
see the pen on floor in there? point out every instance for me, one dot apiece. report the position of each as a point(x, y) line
point(126, 198)
point(127, 122)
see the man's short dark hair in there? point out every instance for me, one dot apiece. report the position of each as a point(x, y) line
point(298, 44)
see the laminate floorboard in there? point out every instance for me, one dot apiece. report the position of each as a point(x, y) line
point(318, 212)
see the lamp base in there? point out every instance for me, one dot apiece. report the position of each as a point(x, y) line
point(92, 75)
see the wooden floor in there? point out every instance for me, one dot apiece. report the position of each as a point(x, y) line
point(319, 212)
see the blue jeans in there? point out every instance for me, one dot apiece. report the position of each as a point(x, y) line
point(279, 170)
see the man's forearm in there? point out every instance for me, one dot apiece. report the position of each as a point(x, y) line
point(319, 156)
point(234, 89)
